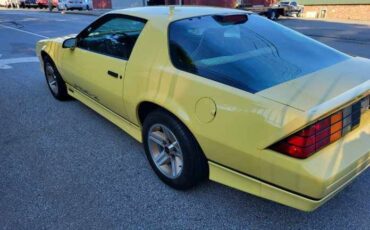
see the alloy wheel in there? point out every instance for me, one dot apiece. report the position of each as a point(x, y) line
point(51, 78)
point(165, 151)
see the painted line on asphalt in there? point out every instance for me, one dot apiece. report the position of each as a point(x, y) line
point(24, 31)
point(5, 63)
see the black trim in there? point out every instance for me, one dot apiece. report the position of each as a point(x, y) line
point(325, 115)
point(106, 18)
point(266, 182)
point(103, 19)
point(112, 74)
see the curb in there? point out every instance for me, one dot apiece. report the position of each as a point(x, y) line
point(89, 13)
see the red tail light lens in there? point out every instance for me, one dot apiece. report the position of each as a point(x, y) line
point(311, 139)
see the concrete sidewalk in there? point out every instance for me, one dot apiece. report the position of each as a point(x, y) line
point(84, 12)
point(95, 12)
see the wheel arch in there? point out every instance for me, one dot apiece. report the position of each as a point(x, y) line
point(144, 108)
point(44, 55)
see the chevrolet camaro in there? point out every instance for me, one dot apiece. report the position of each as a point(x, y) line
point(222, 94)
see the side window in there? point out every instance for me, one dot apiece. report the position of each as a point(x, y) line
point(294, 4)
point(114, 37)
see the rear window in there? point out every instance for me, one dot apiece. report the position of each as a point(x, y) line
point(250, 55)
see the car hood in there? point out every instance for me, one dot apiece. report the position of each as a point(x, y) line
point(345, 80)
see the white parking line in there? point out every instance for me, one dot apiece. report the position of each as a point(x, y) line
point(24, 31)
point(4, 63)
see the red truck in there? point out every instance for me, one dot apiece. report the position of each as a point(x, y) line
point(272, 9)
point(45, 3)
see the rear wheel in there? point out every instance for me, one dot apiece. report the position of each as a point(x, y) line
point(55, 82)
point(172, 151)
point(299, 14)
point(273, 15)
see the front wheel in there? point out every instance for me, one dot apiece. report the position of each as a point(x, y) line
point(172, 151)
point(55, 82)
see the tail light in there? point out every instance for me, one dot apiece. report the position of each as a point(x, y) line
point(311, 139)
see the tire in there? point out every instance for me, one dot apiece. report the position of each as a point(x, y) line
point(273, 15)
point(54, 81)
point(299, 14)
point(190, 169)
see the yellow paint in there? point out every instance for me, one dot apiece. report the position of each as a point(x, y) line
point(245, 124)
point(205, 109)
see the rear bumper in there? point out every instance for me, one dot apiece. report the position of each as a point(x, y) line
point(323, 172)
point(268, 191)
point(304, 184)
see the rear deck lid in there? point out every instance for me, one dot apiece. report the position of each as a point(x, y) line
point(348, 79)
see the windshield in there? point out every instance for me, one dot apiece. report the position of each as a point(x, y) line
point(251, 55)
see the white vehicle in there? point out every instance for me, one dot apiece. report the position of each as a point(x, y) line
point(3, 3)
point(74, 5)
point(12, 3)
point(292, 7)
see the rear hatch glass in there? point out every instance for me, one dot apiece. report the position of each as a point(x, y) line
point(251, 55)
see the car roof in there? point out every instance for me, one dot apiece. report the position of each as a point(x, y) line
point(173, 13)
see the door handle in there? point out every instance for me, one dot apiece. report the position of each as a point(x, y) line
point(112, 74)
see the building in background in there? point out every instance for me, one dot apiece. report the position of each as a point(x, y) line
point(331, 9)
point(337, 9)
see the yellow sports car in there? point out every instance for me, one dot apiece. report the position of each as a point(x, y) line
point(222, 94)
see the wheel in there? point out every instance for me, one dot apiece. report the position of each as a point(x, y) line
point(55, 82)
point(273, 15)
point(299, 14)
point(172, 151)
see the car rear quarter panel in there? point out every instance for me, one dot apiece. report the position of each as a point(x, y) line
point(326, 170)
point(244, 123)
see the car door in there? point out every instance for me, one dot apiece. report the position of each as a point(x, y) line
point(96, 66)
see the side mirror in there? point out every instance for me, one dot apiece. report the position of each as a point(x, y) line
point(70, 43)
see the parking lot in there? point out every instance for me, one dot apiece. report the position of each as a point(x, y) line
point(64, 166)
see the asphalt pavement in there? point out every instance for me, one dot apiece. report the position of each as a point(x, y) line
point(62, 166)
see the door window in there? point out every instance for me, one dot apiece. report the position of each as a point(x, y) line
point(113, 36)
